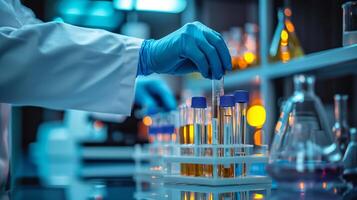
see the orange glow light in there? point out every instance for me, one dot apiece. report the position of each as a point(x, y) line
point(324, 185)
point(98, 125)
point(256, 116)
point(285, 56)
point(284, 36)
point(249, 57)
point(258, 196)
point(241, 63)
point(289, 26)
point(147, 121)
point(287, 12)
point(258, 137)
point(302, 186)
point(278, 126)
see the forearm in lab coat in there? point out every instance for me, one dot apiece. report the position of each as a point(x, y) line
point(61, 66)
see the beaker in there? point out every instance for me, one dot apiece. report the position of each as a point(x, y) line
point(303, 148)
point(349, 23)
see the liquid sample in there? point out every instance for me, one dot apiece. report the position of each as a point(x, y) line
point(191, 168)
point(199, 139)
point(225, 137)
point(183, 140)
point(208, 169)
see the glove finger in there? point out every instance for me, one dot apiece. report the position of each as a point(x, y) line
point(192, 52)
point(164, 93)
point(145, 100)
point(213, 58)
point(185, 66)
point(223, 52)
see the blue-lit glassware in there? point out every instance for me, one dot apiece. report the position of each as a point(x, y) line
point(303, 148)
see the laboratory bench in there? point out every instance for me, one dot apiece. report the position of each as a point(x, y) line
point(31, 188)
point(29, 185)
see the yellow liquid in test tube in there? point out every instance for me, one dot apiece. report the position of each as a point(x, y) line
point(191, 168)
point(199, 168)
point(183, 140)
point(208, 169)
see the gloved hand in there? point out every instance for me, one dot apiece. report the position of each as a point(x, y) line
point(154, 94)
point(194, 47)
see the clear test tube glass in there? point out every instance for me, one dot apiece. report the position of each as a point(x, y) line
point(226, 106)
point(199, 105)
point(208, 169)
point(217, 91)
point(190, 139)
point(241, 98)
point(182, 136)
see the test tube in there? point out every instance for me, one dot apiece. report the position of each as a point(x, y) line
point(199, 104)
point(240, 136)
point(190, 139)
point(182, 136)
point(208, 169)
point(217, 91)
point(226, 106)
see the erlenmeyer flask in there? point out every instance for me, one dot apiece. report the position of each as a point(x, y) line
point(303, 149)
point(285, 44)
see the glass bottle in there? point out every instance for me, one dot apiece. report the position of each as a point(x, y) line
point(285, 44)
point(303, 147)
point(225, 136)
point(199, 105)
point(341, 128)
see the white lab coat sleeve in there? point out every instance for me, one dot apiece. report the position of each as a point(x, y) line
point(26, 14)
point(61, 66)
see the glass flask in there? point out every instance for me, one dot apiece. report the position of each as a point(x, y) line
point(303, 148)
point(285, 44)
point(349, 23)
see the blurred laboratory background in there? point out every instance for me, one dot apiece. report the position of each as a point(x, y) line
point(297, 59)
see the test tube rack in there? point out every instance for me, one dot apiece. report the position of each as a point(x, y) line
point(242, 155)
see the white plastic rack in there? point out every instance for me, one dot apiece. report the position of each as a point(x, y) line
point(241, 157)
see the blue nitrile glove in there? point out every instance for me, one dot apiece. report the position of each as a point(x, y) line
point(194, 47)
point(154, 94)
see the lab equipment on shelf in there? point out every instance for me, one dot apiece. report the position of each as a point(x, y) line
point(349, 23)
point(285, 44)
point(243, 45)
point(350, 159)
point(341, 127)
point(303, 148)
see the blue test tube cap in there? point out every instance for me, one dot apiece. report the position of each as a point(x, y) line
point(169, 129)
point(198, 102)
point(153, 130)
point(152, 111)
point(241, 96)
point(226, 101)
